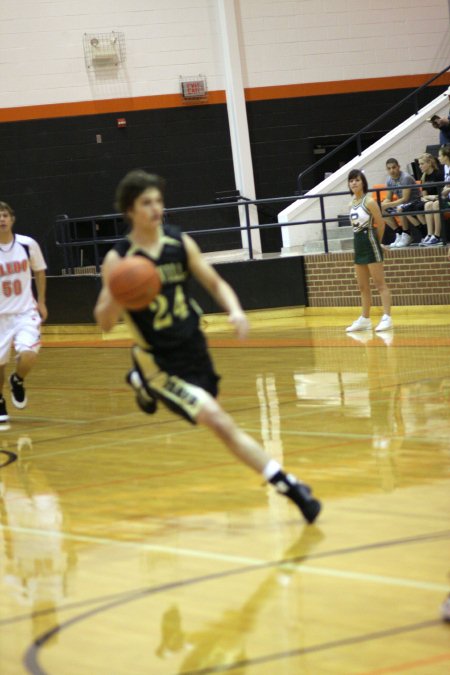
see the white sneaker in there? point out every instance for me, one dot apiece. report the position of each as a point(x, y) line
point(395, 242)
point(385, 323)
point(360, 324)
point(404, 240)
point(363, 336)
point(434, 241)
point(425, 240)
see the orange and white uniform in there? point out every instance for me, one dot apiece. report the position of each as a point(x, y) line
point(19, 318)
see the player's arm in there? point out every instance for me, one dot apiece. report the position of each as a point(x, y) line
point(387, 201)
point(217, 287)
point(107, 312)
point(38, 267)
point(406, 193)
point(378, 219)
point(40, 280)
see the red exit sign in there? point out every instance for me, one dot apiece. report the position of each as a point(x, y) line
point(193, 88)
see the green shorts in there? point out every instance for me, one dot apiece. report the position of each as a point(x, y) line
point(367, 248)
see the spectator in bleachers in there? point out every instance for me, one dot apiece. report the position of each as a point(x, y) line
point(434, 221)
point(443, 124)
point(403, 186)
point(431, 173)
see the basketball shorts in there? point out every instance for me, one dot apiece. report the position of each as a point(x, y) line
point(22, 331)
point(182, 378)
point(418, 205)
point(367, 248)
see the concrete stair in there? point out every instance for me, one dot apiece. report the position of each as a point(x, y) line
point(339, 239)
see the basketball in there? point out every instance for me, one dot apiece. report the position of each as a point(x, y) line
point(134, 282)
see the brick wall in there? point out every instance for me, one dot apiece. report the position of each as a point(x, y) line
point(416, 276)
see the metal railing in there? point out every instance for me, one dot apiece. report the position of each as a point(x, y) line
point(71, 245)
point(414, 95)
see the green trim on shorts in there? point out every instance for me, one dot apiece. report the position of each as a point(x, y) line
point(367, 247)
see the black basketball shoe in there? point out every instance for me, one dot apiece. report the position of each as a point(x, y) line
point(299, 493)
point(4, 417)
point(143, 399)
point(18, 393)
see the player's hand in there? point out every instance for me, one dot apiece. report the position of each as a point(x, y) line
point(240, 323)
point(43, 311)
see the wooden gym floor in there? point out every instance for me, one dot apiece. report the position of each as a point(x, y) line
point(135, 545)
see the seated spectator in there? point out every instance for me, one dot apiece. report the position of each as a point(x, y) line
point(434, 221)
point(403, 186)
point(431, 173)
point(443, 124)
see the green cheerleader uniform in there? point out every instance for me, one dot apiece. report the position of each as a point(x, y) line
point(367, 246)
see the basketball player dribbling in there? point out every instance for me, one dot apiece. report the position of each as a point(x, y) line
point(171, 362)
point(20, 314)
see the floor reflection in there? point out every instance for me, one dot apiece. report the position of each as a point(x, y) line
point(223, 642)
point(38, 560)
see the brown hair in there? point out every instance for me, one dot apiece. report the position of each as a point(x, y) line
point(6, 207)
point(134, 184)
point(356, 173)
point(445, 150)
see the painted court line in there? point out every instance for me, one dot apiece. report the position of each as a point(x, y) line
point(106, 444)
point(238, 560)
point(339, 434)
point(402, 667)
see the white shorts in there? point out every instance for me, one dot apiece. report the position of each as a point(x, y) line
point(22, 330)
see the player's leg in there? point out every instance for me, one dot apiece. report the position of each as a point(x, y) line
point(27, 342)
point(377, 274)
point(3, 411)
point(6, 338)
point(363, 279)
point(198, 406)
point(251, 453)
point(389, 219)
point(429, 217)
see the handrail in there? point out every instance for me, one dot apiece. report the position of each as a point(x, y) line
point(64, 241)
point(357, 136)
point(255, 202)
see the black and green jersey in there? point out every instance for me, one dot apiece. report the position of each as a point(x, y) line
point(173, 317)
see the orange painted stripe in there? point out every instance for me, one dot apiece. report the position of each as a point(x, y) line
point(402, 667)
point(268, 343)
point(342, 86)
point(161, 101)
point(112, 105)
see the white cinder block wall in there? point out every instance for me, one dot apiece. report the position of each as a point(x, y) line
point(405, 143)
point(283, 42)
point(290, 41)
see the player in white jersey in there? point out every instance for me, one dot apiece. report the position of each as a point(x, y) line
point(20, 313)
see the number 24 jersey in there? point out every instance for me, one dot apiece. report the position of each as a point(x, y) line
point(173, 316)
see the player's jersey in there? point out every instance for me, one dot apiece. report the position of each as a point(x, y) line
point(172, 317)
point(17, 259)
point(360, 216)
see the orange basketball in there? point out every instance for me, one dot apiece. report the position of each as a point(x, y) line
point(134, 282)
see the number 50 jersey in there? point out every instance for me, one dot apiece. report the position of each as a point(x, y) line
point(172, 317)
point(17, 259)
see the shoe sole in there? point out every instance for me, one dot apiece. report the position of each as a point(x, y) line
point(4, 418)
point(382, 330)
point(357, 330)
point(19, 404)
point(312, 510)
